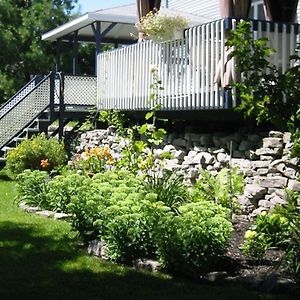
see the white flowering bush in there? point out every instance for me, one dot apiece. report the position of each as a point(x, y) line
point(161, 27)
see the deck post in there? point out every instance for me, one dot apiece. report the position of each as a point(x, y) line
point(98, 38)
point(61, 106)
point(52, 95)
point(75, 53)
point(58, 50)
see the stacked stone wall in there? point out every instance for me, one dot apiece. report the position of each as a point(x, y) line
point(263, 157)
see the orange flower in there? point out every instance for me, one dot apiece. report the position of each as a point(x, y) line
point(106, 151)
point(96, 151)
point(44, 163)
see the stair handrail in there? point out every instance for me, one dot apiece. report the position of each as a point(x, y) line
point(2, 106)
point(21, 99)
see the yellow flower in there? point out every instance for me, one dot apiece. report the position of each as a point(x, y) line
point(44, 163)
point(250, 234)
point(106, 151)
point(96, 151)
point(263, 213)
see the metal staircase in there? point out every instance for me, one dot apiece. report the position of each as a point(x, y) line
point(38, 104)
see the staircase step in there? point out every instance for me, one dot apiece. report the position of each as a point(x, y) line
point(19, 139)
point(6, 149)
point(33, 130)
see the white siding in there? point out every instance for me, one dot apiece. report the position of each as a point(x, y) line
point(206, 8)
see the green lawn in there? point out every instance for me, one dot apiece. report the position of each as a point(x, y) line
point(39, 259)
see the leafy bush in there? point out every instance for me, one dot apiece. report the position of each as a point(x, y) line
point(224, 188)
point(32, 187)
point(37, 153)
point(115, 118)
point(62, 188)
point(194, 240)
point(280, 229)
point(169, 188)
point(263, 89)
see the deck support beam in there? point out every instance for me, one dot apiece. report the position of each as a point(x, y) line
point(98, 38)
point(75, 53)
point(58, 54)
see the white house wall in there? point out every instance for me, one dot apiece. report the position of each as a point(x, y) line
point(206, 8)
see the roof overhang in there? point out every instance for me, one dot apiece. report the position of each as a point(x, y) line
point(117, 24)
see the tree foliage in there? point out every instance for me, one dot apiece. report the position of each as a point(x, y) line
point(22, 53)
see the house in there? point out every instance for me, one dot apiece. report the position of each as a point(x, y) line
point(187, 67)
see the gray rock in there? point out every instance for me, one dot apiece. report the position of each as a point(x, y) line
point(223, 158)
point(294, 185)
point(216, 276)
point(274, 182)
point(262, 171)
point(272, 142)
point(259, 164)
point(61, 216)
point(276, 134)
point(147, 264)
point(277, 201)
point(254, 193)
point(97, 248)
point(241, 163)
point(203, 158)
point(268, 158)
point(269, 152)
point(287, 137)
point(169, 148)
point(179, 154)
point(193, 173)
point(264, 203)
point(258, 211)
point(45, 213)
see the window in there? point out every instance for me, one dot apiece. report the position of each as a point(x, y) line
point(257, 11)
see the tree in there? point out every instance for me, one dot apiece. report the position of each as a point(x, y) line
point(22, 53)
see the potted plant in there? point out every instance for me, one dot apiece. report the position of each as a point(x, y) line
point(161, 27)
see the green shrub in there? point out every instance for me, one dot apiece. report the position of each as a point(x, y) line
point(223, 189)
point(169, 188)
point(281, 229)
point(194, 240)
point(37, 153)
point(62, 188)
point(32, 187)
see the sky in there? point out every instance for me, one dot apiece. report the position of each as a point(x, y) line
point(92, 5)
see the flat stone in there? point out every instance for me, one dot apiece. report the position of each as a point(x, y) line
point(147, 264)
point(223, 157)
point(287, 137)
point(241, 163)
point(268, 158)
point(294, 185)
point(258, 164)
point(216, 276)
point(262, 171)
point(179, 154)
point(274, 182)
point(269, 151)
point(61, 216)
point(169, 148)
point(254, 192)
point(276, 134)
point(203, 158)
point(32, 209)
point(97, 248)
point(258, 211)
point(277, 201)
point(272, 142)
point(45, 213)
point(264, 203)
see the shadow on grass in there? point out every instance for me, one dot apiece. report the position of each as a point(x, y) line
point(36, 266)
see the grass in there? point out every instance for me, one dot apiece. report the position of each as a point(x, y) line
point(40, 259)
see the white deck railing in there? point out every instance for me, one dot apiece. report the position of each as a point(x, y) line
point(186, 67)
